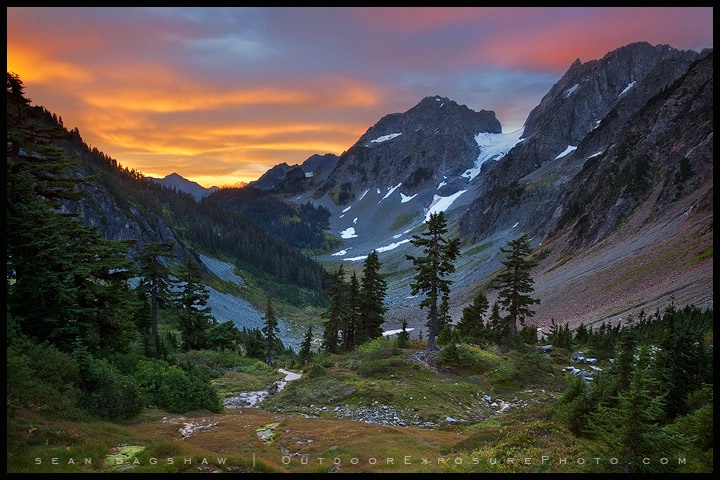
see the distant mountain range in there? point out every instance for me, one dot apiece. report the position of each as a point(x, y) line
point(176, 182)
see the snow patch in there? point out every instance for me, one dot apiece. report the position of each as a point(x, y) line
point(363, 194)
point(405, 198)
point(493, 146)
point(348, 233)
point(390, 191)
point(392, 246)
point(348, 208)
point(570, 148)
point(385, 138)
point(571, 90)
point(629, 86)
point(387, 333)
point(440, 204)
point(339, 254)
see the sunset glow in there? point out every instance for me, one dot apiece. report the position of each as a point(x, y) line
point(220, 95)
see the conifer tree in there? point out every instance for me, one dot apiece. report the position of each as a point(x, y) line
point(155, 277)
point(372, 300)
point(403, 337)
point(432, 268)
point(194, 314)
point(633, 429)
point(515, 284)
point(498, 328)
point(625, 362)
point(574, 407)
point(223, 335)
point(305, 354)
point(351, 319)
point(336, 311)
point(270, 330)
point(471, 323)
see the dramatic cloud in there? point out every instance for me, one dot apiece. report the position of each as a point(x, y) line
point(220, 95)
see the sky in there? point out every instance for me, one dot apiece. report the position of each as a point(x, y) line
point(220, 95)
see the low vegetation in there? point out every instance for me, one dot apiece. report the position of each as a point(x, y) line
point(382, 408)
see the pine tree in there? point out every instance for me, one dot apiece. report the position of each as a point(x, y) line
point(471, 323)
point(155, 277)
point(270, 330)
point(336, 310)
point(372, 298)
point(574, 406)
point(679, 361)
point(351, 319)
point(497, 327)
point(403, 337)
point(223, 335)
point(305, 354)
point(632, 430)
point(432, 268)
point(194, 316)
point(515, 284)
point(625, 362)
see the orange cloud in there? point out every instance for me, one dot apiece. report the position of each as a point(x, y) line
point(35, 66)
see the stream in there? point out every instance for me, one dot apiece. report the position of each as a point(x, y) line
point(249, 399)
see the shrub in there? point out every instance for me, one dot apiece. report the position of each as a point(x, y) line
point(383, 367)
point(316, 370)
point(40, 377)
point(111, 394)
point(377, 348)
point(175, 390)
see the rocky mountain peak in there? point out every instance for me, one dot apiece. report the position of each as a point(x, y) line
point(419, 148)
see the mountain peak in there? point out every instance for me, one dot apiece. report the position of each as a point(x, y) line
point(175, 181)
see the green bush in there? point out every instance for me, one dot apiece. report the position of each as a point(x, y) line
point(107, 393)
point(316, 370)
point(377, 348)
point(172, 389)
point(112, 395)
point(40, 377)
point(383, 367)
point(323, 359)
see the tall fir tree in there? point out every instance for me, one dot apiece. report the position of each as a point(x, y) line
point(305, 354)
point(270, 330)
point(351, 319)
point(195, 315)
point(433, 268)
point(373, 289)
point(336, 311)
point(515, 284)
point(155, 277)
point(403, 338)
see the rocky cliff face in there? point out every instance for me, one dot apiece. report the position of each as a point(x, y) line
point(582, 115)
point(418, 149)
